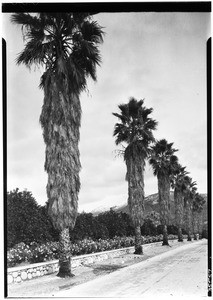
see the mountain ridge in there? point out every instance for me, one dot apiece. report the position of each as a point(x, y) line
point(151, 204)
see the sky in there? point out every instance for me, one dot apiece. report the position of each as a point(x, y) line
point(158, 57)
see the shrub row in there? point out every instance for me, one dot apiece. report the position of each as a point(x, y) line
point(34, 253)
point(27, 222)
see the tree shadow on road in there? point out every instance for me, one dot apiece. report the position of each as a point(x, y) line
point(106, 269)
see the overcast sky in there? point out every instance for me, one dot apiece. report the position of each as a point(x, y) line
point(157, 56)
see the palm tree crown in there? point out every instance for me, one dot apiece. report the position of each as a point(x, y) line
point(163, 160)
point(64, 43)
point(179, 178)
point(190, 191)
point(135, 128)
point(198, 203)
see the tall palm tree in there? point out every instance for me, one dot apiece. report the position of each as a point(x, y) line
point(188, 201)
point(164, 162)
point(135, 129)
point(197, 208)
point(179, 183)
point(66, 45)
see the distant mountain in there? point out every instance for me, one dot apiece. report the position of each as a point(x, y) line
point(151, 204)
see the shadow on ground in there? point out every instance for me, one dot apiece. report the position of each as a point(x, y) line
point(67, 286)
point(97, 270)
point(106, 269)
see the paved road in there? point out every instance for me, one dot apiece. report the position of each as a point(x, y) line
point(179, 272)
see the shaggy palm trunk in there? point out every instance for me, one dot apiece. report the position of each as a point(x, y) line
point(195, 225)
point(138, 241)
point(64, 254)
point(179, 212)
point(164, 203)
point(200, 221)
point(180, 235)
point(188, 219)
point(135, 178)
point(165, 236)
point(60, 120)
point(189, 233)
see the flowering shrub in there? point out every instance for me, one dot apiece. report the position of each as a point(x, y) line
point(152, 239)
point(35, 252)
point(43, 252)
point(19, 254)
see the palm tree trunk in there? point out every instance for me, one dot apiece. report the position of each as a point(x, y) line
point(189, 234)
point(138, 241)
point(60, 120)
point(180, 235)
point(200, 225)
point(179, 212)
point(165, 236)
point(189, 238)
point(64, 254)
point(188, 219)
point(135, 178)
point(195, 225)
point(164, 203)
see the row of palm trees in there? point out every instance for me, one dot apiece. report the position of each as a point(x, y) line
point(66, 46)
point(134, 132)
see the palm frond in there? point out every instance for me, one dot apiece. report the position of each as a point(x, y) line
point(119, 152)
point(92, 32)
point(35, 52)
point(122, 134)
point(124, 108)
point(121, 117)
point(25, 19)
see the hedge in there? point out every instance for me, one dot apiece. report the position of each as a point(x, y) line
point(34, 253)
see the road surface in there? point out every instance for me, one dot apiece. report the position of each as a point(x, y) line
point(179, 272)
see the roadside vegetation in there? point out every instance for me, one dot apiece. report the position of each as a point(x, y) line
point(34, 252)
point(32, 238)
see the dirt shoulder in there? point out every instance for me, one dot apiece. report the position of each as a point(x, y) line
point(48, 284)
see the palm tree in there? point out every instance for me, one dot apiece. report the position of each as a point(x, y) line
point(179, 183)
point(188, 200)
point(135, 129)
point(66, 45)
point(197, 208)
point(163, 162)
